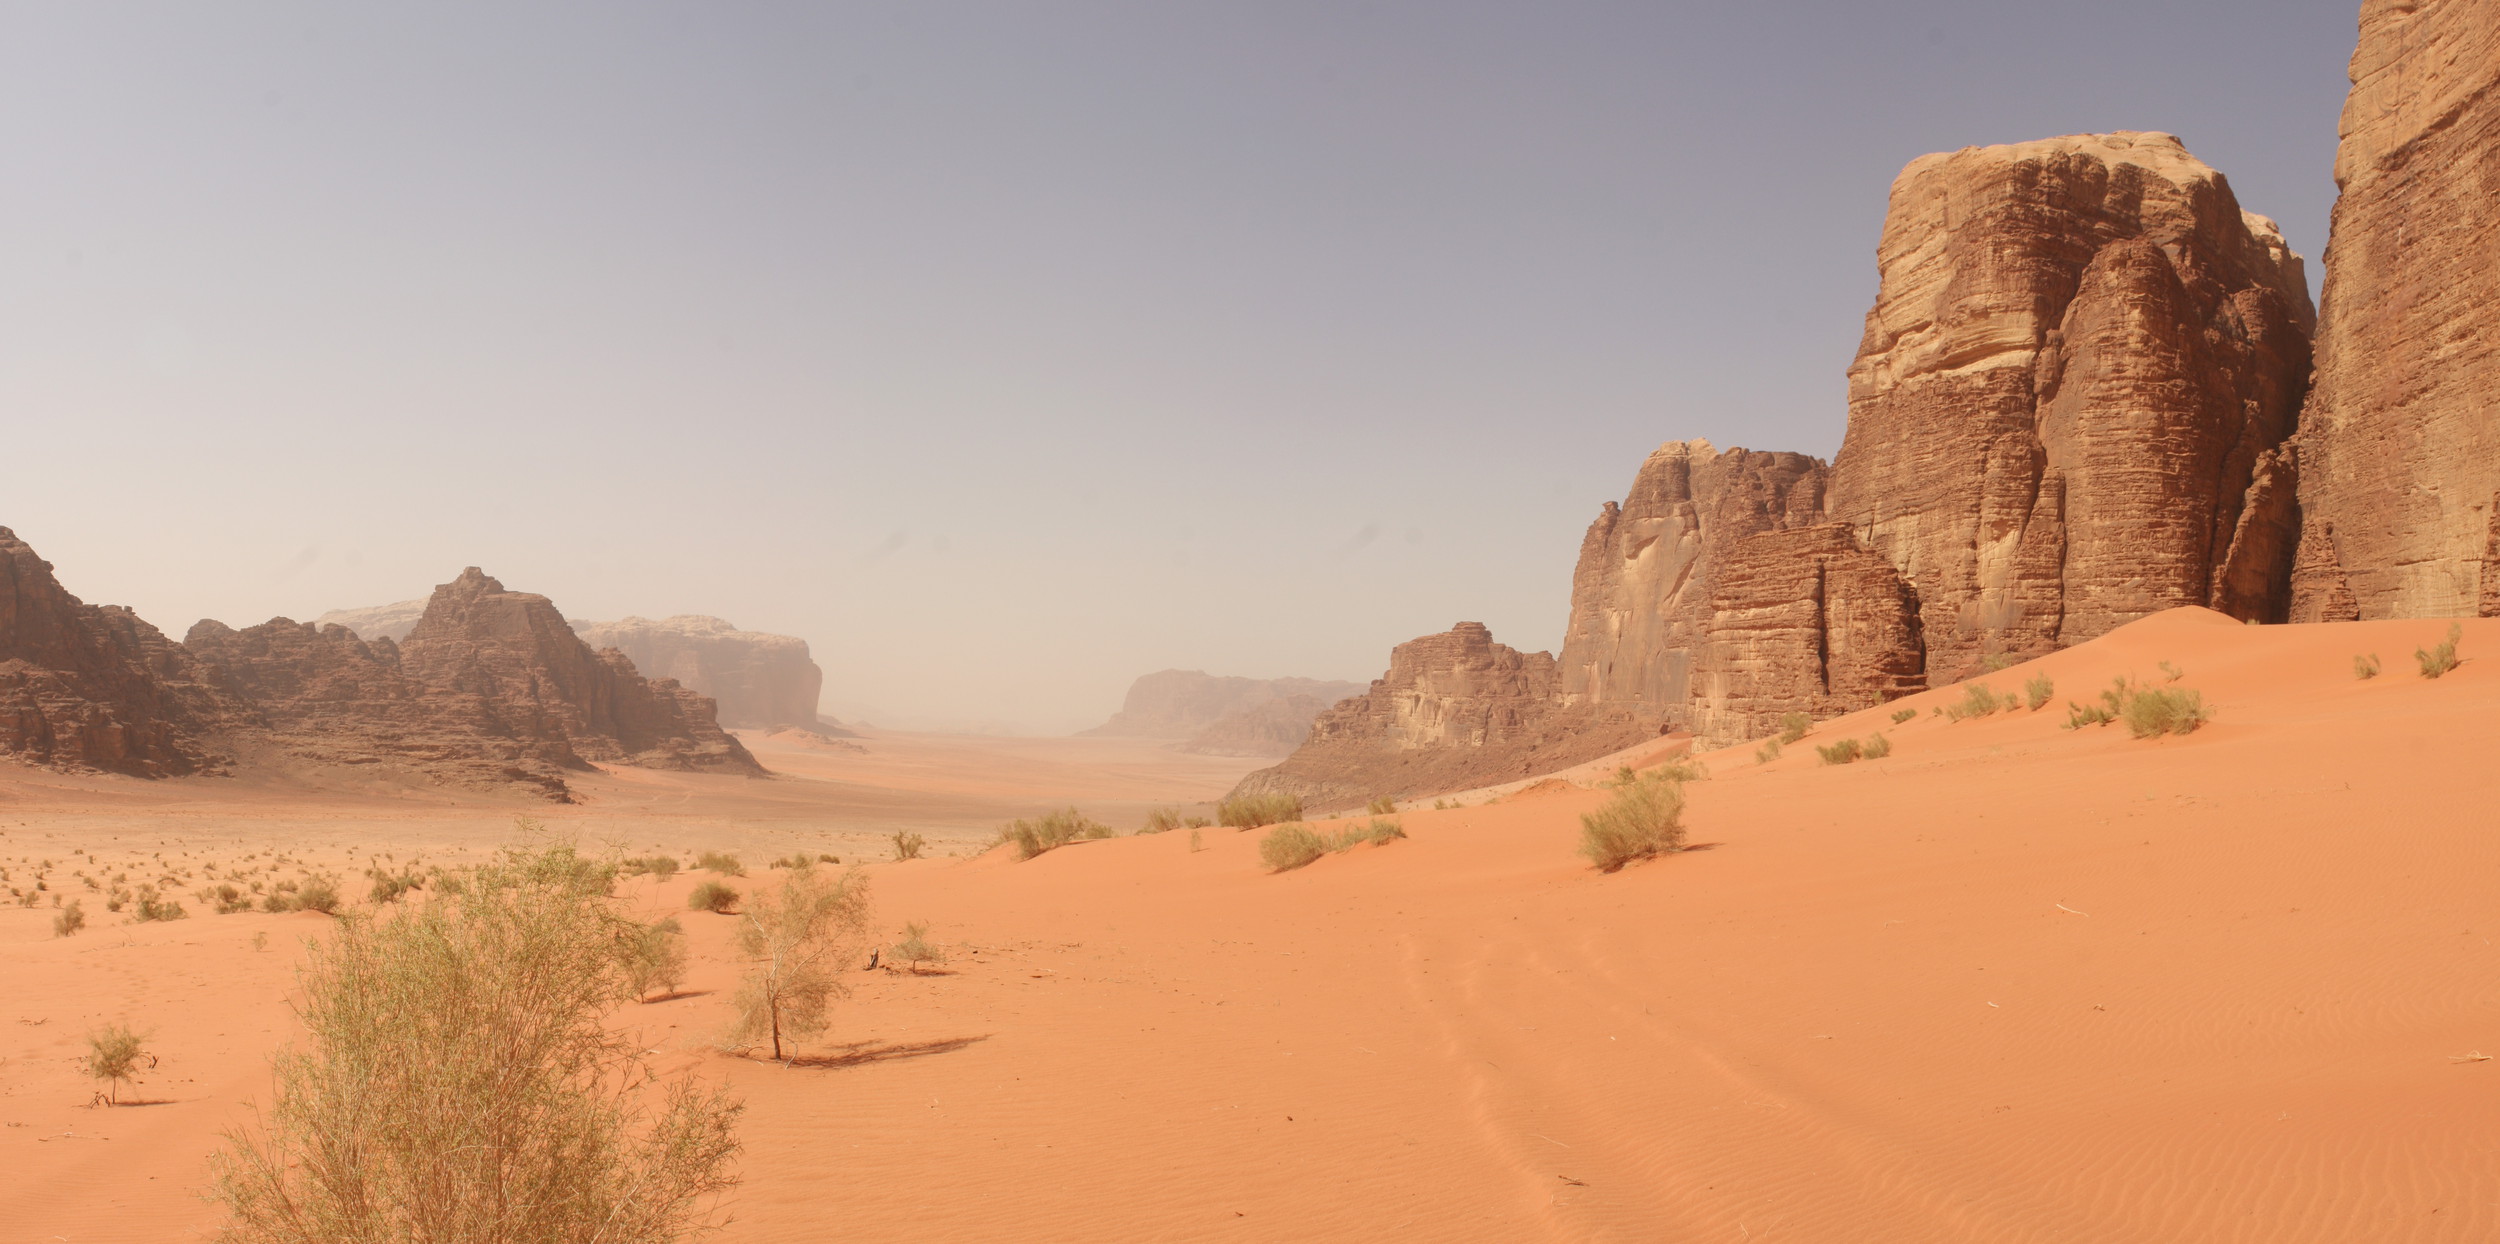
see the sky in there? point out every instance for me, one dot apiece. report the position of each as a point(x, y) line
point(1002, 351)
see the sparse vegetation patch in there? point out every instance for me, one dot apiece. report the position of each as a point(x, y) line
point(1289, 846)
point(2037, 690)
point(1643, 820)
point(1253, 811)
point(2441, 657)
point(1051, 831)
point(1978, 700)
point(1843, 752)
point(1902, 715)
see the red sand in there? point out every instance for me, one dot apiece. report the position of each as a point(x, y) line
point(2012, 983)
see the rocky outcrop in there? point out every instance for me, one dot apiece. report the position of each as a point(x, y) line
point(1182, 704)
point(1456, 710)
point(1271, 728)
point(94, 687)
point(2081, 355)
point(1805, 620)
point(378, 622)
point(2400, 443)
point(758, 680)
point(1641, 595)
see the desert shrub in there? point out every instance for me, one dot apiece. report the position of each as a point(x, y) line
point(799, 860)
point(388, 886)
point(660, 866)
point(1978, 700)
point(2365, 667)
point(1289, 846)
point(319, 894)
point(1794, 726)
point(69, 919)
point(114, 1054)
point(229, 900)
point(2037, 691)
point(724, 865)
point(907, 844)
point(459, 1081)
point(153, 906)
point(1161, 821)
point(1686, 768)
point(1197, 841)
point(2441, 658)
point(2156, 711)
point(1198, 822)
point(714, 897)
point(1252, 811)
point(1997, 662)
point(1382, 831)
point(915, 948)
point(1843, 752)
point(2169, 672)
point(654, 957)
point(1381, 806)
point(1051, 831)
point(1641, 821)
point(1902, 715)
point(1767, 753)
point(796, 939)
point(1878, 747)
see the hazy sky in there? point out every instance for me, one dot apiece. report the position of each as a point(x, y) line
point(1003, 351)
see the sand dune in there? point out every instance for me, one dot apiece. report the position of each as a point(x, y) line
point(2012, 983)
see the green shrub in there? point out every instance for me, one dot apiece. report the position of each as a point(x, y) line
point(915, 948)
point(1767, 753)
point(1382, 830)
point(2156, 711)
point(69, 919)
point(2037, 691)
point(1641, 821)
point(2365, 668)
point(724, 865)
point(1252, 811)
point(1902, 715)
point(654, 957)
point(319, 894)
point(1794, 726)
point(798, 940)
point(1843, 752)
point(2438, 660)
point(1161, 821)
point(907, 844)
point(1878, 747)
point(1289, 846)
point(114, 1053)
point(1382, 806)
point(713, 896)
point(459, 1081)
point(1051, 831)
point(1978, 700)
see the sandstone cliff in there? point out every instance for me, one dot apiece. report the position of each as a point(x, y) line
point(2081, 360)
point(95, 687)
point(758, 680)
point(1270, 728)
point(2400, 445)
point(1455, 710)
point(1181, 704)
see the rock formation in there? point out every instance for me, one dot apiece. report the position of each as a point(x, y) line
point(759, 680)
point(95, 687)
point(1271, 728)
point(2082, 353)
point(1455, 710)
point(1182, 704)
point(2399, 449)
point(1805, 620)
point(378, 622)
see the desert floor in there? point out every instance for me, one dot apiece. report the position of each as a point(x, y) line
point(2011, 983)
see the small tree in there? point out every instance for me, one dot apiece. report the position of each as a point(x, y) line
point(460, 1082)
point(915, 948)
point(114, 1054)
point(796, 940)
point(654, 957)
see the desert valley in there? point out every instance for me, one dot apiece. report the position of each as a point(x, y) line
point(2059, 816)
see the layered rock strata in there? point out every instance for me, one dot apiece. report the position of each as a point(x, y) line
point(1805, 620)
point(759, 680)
point(2082, 353)
point(94, 687)
point(1455, 710)
point(2400, 444)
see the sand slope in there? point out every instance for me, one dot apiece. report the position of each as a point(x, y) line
point(2013, 983)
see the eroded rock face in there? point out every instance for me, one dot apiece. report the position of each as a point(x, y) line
point(1641, 595)
point(2082, 352)
point(95, 687)
point(1805, 620)
point(2400, 444)
point(1270, 728)
point(758, 680)
point(1456, 710)
point(1181, 704)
